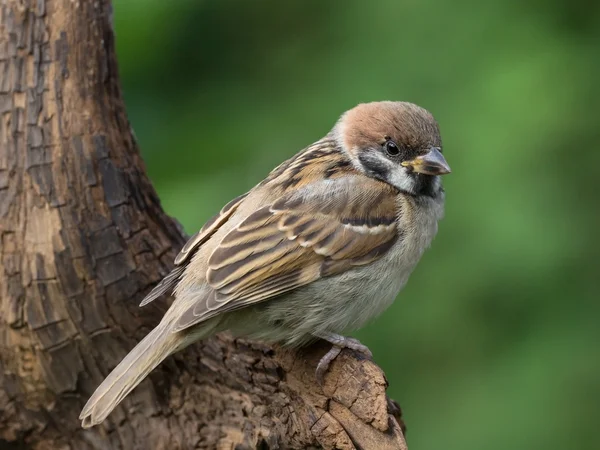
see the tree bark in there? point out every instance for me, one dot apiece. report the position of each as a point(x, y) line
point(83, 238)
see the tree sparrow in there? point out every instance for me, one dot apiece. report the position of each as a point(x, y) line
point(321, 246)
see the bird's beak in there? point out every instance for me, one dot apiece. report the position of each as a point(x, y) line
point(431, 163)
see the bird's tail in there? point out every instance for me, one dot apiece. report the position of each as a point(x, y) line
point(148, 354)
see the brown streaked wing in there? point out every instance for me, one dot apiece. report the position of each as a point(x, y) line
point(320, 230)
point(209, 228)
point(168, 282)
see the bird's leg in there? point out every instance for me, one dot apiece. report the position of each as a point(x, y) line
point(339, 342)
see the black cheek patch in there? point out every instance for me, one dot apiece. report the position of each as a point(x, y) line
point(374, 166)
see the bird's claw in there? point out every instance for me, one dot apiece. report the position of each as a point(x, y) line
point(325, 362)
point(339, 343)
point(355, 345)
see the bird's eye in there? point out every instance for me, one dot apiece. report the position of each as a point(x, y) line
point(391, 148)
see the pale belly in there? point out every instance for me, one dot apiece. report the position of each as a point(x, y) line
point(338, 304)
point(341, 303)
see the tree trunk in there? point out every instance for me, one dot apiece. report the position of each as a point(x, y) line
point(83, 238)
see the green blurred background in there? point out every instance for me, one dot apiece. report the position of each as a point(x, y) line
point(494, 343)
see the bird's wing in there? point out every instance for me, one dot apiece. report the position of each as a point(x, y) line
point(314, 232)
point(209, 228)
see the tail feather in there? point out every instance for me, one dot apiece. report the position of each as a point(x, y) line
point(148, 354)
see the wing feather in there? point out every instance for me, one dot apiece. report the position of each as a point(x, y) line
point(208, 230)
point(168, 283)
point(165, 285)
point(317, 231)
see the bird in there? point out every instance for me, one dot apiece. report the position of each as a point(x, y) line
point(321, 246)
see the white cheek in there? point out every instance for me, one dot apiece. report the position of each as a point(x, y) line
point(399, 177)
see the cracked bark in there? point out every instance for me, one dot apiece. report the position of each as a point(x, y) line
point(83, 238)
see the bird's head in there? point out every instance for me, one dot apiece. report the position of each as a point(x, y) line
point(396, 142)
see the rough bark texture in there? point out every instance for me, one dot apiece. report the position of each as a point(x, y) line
point(83, 238)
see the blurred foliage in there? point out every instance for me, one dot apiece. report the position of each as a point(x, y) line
point(494, 343)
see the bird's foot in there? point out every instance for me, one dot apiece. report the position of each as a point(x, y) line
point(339, 342)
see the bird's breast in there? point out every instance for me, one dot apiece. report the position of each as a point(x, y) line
point(377, 285)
